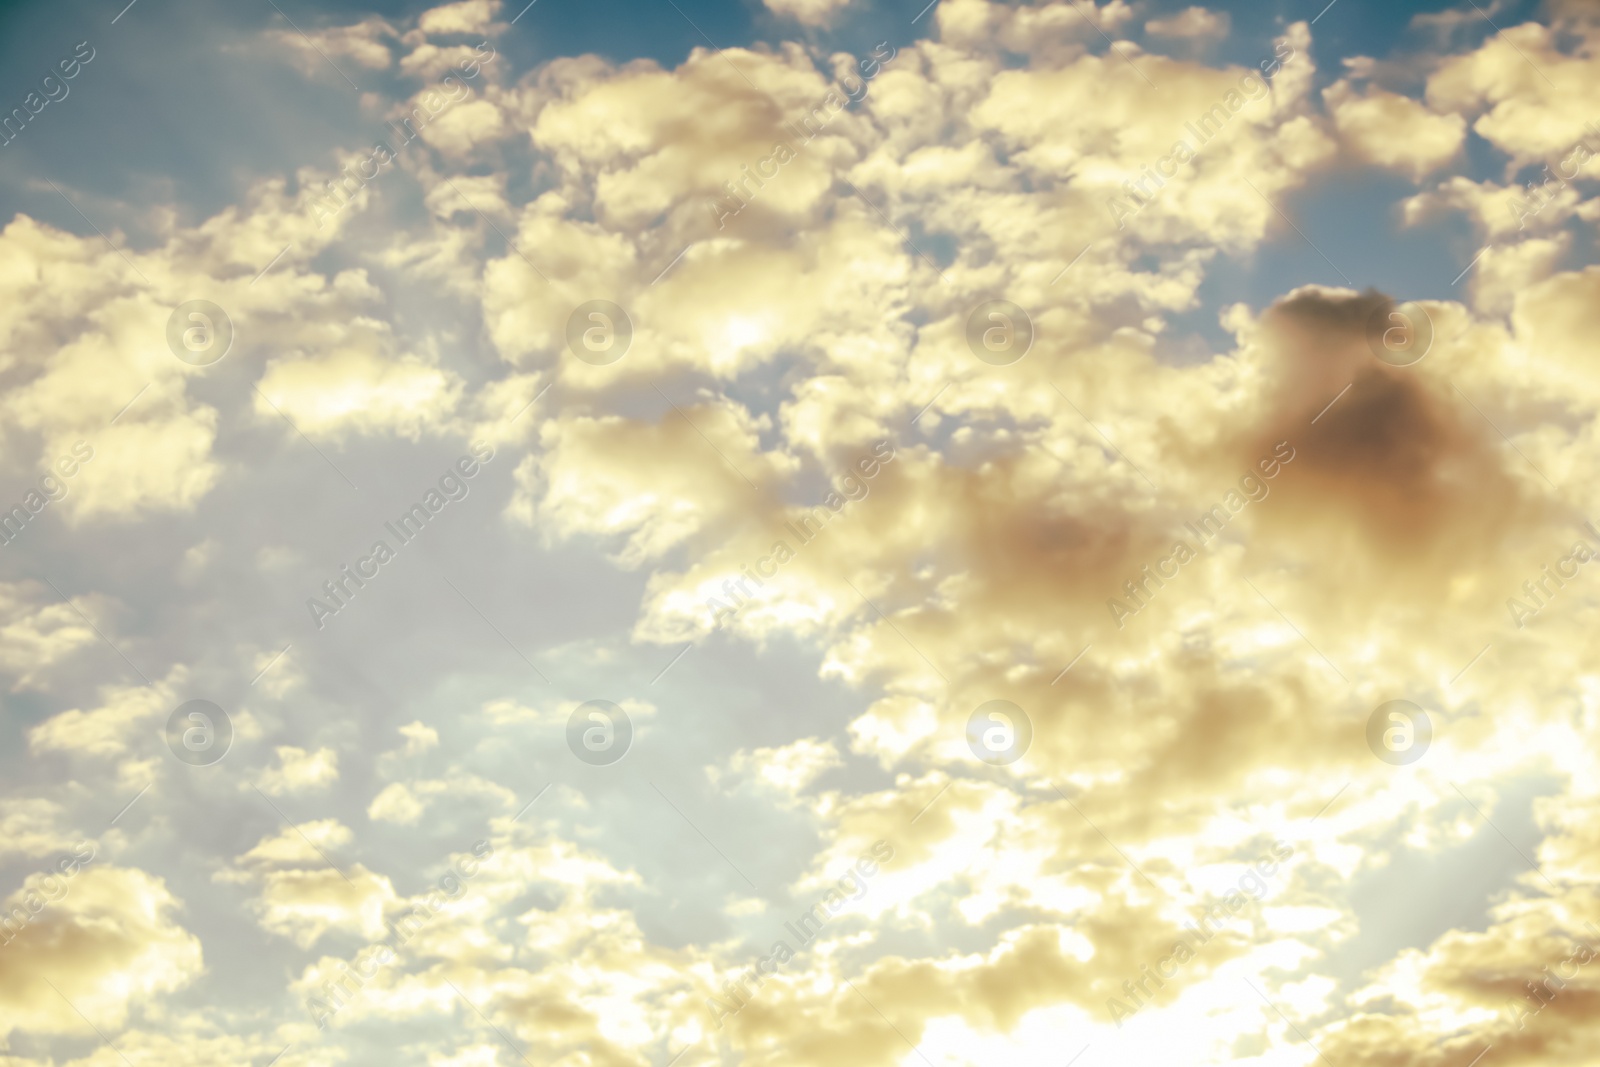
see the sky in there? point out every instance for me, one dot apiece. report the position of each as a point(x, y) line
point(801, 532)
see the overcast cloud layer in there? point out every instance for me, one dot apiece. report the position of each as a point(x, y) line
point(816, 533)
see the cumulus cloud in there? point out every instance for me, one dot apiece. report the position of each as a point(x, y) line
point(1194, 22)
point(301, 895)
point(30, 826)
point(790, 768)
point(39, 632)
point(808, 12)
point(800, 467)
point(466, 16)
point(300, 771)
point(112, 945)
point(357, 388)
point(365, 44)
point(1393, 130)
point(110, 730)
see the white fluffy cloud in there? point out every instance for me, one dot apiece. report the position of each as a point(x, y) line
point(110, 945)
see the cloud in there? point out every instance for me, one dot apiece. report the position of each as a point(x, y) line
point(367, 44)
point(1519, 85)
point(467, 16)
point(1191, 22)
point(37, 632)
point(30, 826)
point(299, 771)
point(111, 946)
point(357, 389)
point(419, 738)
point(1015, 543)
point(405, 803)
point(808, 12)
point(301, 895)
point(1394, 131)
point(790, 768)
point(109, 730)
point(1496, 211)
point(615, 477)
